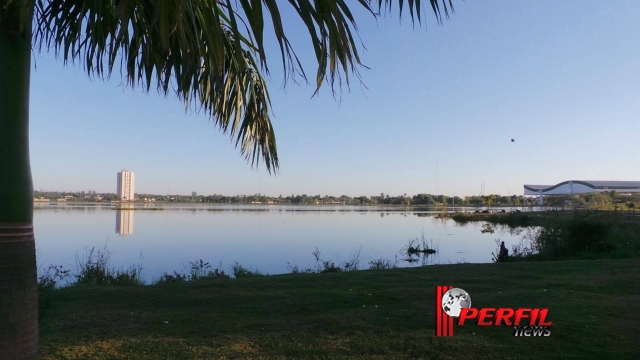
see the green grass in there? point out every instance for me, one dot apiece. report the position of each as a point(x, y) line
point(384, 314)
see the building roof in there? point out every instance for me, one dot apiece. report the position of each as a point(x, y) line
point(584, 186)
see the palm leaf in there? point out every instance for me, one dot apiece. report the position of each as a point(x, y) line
point(211, 53)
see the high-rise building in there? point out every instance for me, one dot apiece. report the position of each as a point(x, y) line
point(125, 185)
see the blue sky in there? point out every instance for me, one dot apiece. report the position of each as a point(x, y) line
point(439, 109)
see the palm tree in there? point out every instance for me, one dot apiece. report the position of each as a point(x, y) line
point(211, 53)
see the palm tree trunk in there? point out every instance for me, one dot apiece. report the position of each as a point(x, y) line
point(18, 283)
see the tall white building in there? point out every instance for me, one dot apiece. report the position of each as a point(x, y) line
point(125, 185)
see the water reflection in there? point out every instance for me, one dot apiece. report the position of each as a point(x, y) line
point(257, 237)
point(422, 259)
point(124, 221)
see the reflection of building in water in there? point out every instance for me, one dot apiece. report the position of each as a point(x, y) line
point(124, 222)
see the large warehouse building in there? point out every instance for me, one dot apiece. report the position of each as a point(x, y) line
point(581, 187)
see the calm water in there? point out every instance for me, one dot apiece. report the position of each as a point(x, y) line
point(262, 237)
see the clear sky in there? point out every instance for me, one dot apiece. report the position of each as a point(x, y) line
point(441, 106)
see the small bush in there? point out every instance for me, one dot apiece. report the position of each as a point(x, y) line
point(196, 270)
point(240, 271)
point(172, 278)
point(354, 261)
point(573, 239)
point(200, 270)
point(94, 269)
point(379, 264)
point(52, 277)
point(581, 235)
point(131, 276)
point(323, 266)
point(329, 267)
point(217, 274)
point(293, 269)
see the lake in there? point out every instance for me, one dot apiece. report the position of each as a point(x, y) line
point(263, 237)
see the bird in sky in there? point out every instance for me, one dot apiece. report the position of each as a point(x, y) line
point(513, 140)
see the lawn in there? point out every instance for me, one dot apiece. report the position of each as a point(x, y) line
point(594, 306)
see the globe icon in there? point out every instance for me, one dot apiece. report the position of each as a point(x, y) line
point(454, 300)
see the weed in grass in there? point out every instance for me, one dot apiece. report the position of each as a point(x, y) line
point(382, 263)
point(294, 269)
point(53, 277)
point(94, 269)
point(354, 261)
point(127, 277)
point(240, 271)
point(325, 266)
point(196, 270)
point(200, 270)
point(172, 278)
point(330, 267)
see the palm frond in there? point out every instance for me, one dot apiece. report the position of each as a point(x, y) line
point(210, 52)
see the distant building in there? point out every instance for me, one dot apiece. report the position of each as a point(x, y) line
point(125, 185)
point(581, 187)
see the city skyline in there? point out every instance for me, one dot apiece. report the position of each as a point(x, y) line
point(437, 115)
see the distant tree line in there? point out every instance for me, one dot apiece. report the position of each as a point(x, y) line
point(611, 198)
point(77, 195)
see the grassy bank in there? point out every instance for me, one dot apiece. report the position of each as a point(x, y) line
point(564, 235)
point(594, 307)
point(542, 218)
